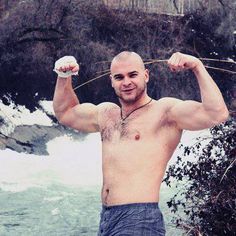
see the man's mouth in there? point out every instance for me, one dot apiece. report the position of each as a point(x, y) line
point(127, 90)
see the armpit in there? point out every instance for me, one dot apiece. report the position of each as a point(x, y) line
point(107, 119)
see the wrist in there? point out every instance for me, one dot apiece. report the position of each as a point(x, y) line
point(198, 67)
point(63, 78)
point(66, 74)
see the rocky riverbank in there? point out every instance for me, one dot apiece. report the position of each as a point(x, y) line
point(32, 139)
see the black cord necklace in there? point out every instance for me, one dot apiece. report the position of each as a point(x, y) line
point(124, 118)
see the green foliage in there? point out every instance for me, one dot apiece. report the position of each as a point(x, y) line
point(208, 198)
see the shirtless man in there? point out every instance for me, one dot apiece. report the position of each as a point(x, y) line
point(138, 138)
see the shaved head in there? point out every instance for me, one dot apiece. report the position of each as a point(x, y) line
point(129, 77)
point(126, 55)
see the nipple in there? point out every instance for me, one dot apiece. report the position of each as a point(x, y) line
point(137, 137)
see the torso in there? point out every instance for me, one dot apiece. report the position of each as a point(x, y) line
point(135, 154)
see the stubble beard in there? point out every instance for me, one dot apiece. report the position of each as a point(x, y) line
point(133, 99)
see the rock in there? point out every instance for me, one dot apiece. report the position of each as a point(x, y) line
point(33, 138)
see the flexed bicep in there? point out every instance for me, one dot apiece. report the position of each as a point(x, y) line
point(190, 115)
point(212, 109)
point(82, 117)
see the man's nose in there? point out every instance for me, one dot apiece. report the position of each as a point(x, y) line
point(126, 81)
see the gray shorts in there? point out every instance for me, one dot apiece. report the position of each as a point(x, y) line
point(135, 219)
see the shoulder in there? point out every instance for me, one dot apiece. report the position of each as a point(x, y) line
point(107, 109)
point(107, 113)
point(167, 103)
point(107, 106)
point(165, 106)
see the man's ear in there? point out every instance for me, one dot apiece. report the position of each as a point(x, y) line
point(146, 75)
point(111, 81)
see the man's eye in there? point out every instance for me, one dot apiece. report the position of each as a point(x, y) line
point(133, 75)
point(118, 78)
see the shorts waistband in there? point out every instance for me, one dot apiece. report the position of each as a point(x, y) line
point(131, 205)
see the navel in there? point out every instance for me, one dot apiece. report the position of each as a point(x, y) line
point(106, 196)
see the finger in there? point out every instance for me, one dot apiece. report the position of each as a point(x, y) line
point(63, 68)
point(75, 69)
point(181, 63)
point(171, 60)
point(174, 60)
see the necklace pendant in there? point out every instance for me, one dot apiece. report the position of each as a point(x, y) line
point(123, 122)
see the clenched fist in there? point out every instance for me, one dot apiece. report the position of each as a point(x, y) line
point(179, 61)
point(66, 66)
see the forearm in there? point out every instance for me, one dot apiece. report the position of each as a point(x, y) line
point(193, 115)
point(212, 99)
point(64, 97)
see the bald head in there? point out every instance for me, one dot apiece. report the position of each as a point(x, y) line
point(126, 56)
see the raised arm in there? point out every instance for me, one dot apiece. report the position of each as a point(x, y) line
point(193, 115)
point(68, 110)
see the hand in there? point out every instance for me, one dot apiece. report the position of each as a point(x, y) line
point(179, 61)
point(66, 66)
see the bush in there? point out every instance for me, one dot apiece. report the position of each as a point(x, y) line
point(208, 198)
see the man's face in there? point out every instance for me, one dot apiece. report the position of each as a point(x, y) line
point(129, 79)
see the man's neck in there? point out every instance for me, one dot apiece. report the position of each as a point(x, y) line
point(129, 106)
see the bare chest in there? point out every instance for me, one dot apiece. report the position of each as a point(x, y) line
point(135, 128)
point(117, 131)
